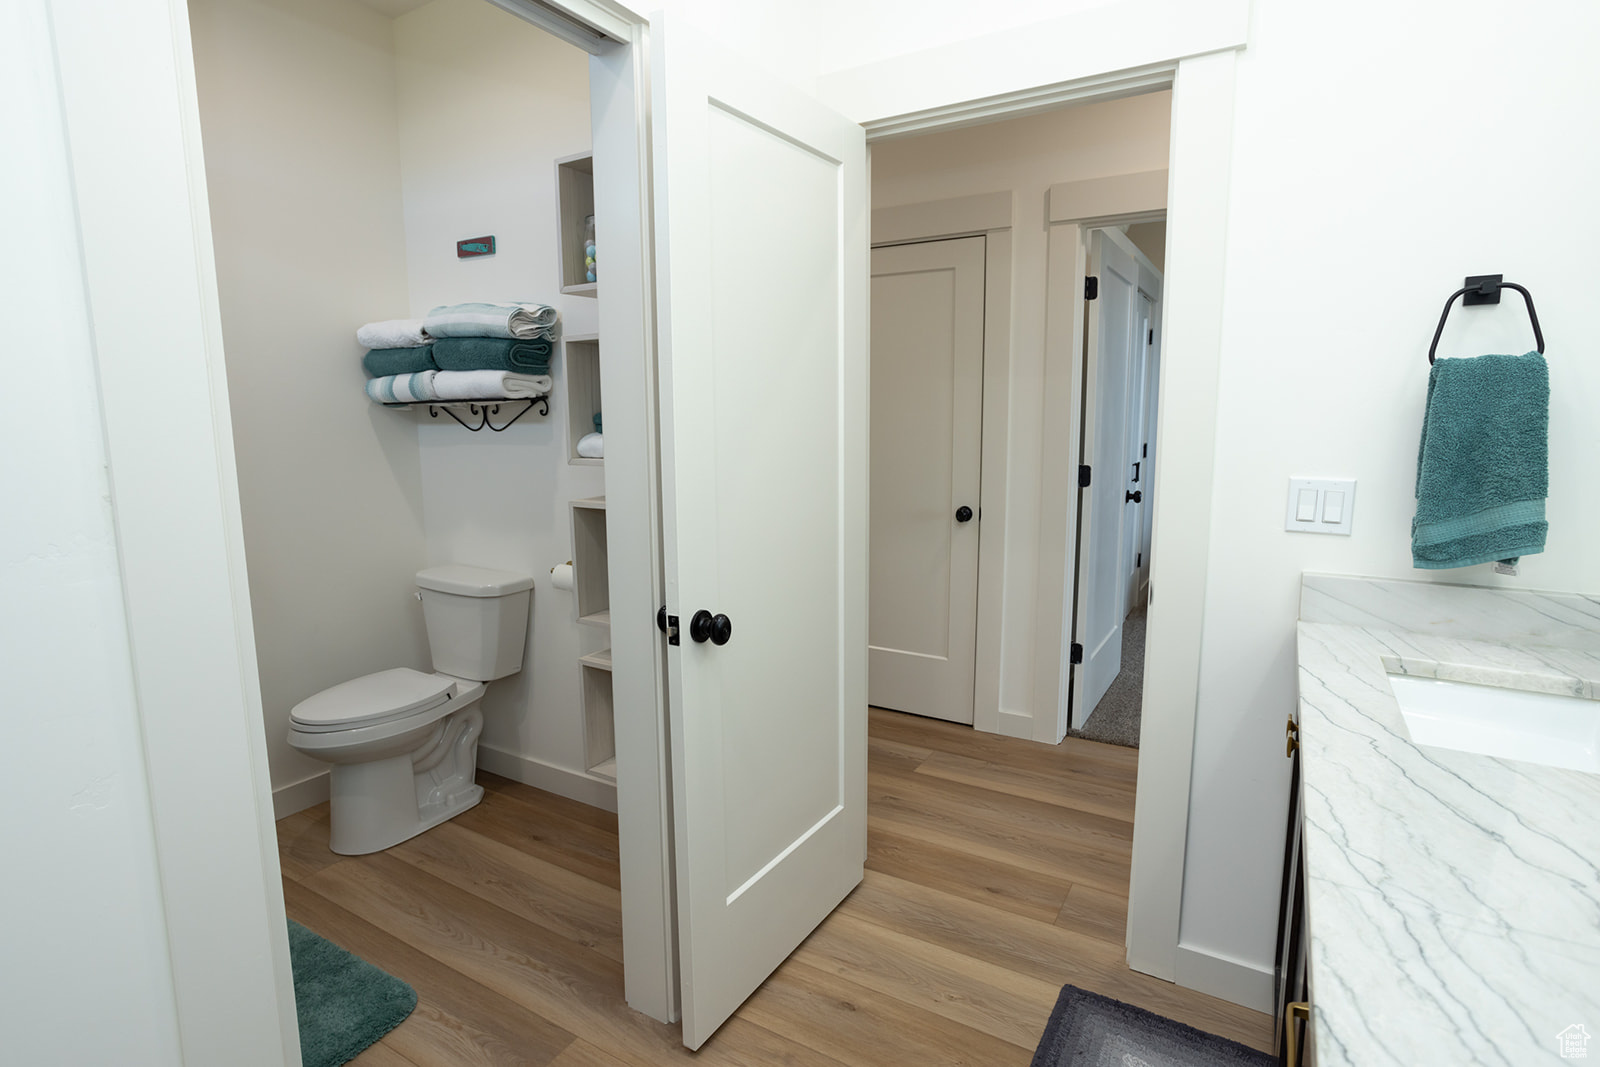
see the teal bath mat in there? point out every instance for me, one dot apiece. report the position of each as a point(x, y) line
point(343, 1002)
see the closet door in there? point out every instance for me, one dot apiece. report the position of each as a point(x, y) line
point(761, 245)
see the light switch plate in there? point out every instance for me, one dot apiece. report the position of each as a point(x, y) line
point(1331, 515)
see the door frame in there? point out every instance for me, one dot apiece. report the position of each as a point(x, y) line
point(1118, 50)
point(986, 215)
point(1066, 318)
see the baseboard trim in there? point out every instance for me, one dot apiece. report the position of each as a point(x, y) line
point(303, 794)
point(562, 781)
point(1229, 979)
point(1014, 724)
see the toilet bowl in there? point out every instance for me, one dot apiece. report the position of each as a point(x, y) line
point(404, 743)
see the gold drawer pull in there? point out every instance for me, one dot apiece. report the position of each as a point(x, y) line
point(1298, 1009)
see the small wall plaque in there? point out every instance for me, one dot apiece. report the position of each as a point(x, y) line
point(475, 246)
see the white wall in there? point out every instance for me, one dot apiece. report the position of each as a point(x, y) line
point(298, 109)
point(1151, 239)
point(1464, 144)
point(1025, 156)
point(487, 103)
point(83, 895)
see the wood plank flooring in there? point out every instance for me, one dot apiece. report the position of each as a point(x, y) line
point(997, 870)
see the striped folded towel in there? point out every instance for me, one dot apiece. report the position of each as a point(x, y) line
point(392, 333)
point(489, 385)
point(403, 388)
point(520, 321)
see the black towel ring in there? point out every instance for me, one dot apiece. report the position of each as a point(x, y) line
point(1485, 289)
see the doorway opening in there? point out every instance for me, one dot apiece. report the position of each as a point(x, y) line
point(1115, 527)
point(965, 487)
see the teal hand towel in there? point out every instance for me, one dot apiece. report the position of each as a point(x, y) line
point(493, 353)
point(1483, 468)
point(597, 423)
point(385, 362)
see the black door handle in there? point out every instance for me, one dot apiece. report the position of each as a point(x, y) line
point(708, 627)
point(1137, 496)
point(963, 513)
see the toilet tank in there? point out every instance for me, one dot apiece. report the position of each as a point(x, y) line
point(477, 619)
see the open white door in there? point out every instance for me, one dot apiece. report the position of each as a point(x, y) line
point(761, 245)
point(1101, 584)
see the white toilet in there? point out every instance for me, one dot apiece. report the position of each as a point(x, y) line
point(404, 744)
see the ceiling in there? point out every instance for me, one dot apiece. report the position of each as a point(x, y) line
point(393, 8)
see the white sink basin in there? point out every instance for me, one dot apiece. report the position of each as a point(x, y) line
point(1557, 731)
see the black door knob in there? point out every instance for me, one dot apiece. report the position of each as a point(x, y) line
point(1137, 496)
point(963, 513)
point(708, 627)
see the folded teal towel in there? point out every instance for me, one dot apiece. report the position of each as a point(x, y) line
point(383, 362)
point(493, 353)
point(597, 423)
point(1483, 467)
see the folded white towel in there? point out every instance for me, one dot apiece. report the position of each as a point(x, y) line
point(524, 322)
point(403, 388)
point(489, 385)
point(592, 446)
point(393, 333)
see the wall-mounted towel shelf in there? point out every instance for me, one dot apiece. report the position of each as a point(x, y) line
point(1485, 289)
point(480, 410)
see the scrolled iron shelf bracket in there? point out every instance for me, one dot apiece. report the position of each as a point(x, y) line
point(483, 411)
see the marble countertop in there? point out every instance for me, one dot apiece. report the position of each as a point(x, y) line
point(1454, 899)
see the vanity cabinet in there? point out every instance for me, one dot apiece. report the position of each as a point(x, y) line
point(1293, 970)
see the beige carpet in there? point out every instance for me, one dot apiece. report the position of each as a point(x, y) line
point(1116, 718)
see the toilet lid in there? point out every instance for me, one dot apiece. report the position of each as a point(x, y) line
point(374, 698)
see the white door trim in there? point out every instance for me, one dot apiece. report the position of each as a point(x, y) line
point(989, 214)
point(157, 327)
point(934, 220)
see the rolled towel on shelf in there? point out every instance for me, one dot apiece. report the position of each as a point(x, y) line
point(592, 446)
point(403, 388)
point(393, 333)
point(1483, 468)
point(489, 385)
point(493, 353)
point(521, 321)
point(382, 362)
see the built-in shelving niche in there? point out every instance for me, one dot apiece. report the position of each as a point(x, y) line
point(582, 369)
point(575, 195)
point(599, 728)
point(591, 589)
point(591, 592)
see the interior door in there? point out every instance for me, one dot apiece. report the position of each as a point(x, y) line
point(927, 453)
point(1109, 357)
point(761, 261)
point(1133, 470)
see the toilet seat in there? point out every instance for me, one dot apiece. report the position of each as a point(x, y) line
point(375, 699)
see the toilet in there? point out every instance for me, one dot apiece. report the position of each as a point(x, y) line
point(404, 743)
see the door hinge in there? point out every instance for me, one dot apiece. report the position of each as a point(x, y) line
point(1138, 559)
point(1083, 476)
point(1150, 339)
point(1091, 288)
point(1076, 655)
